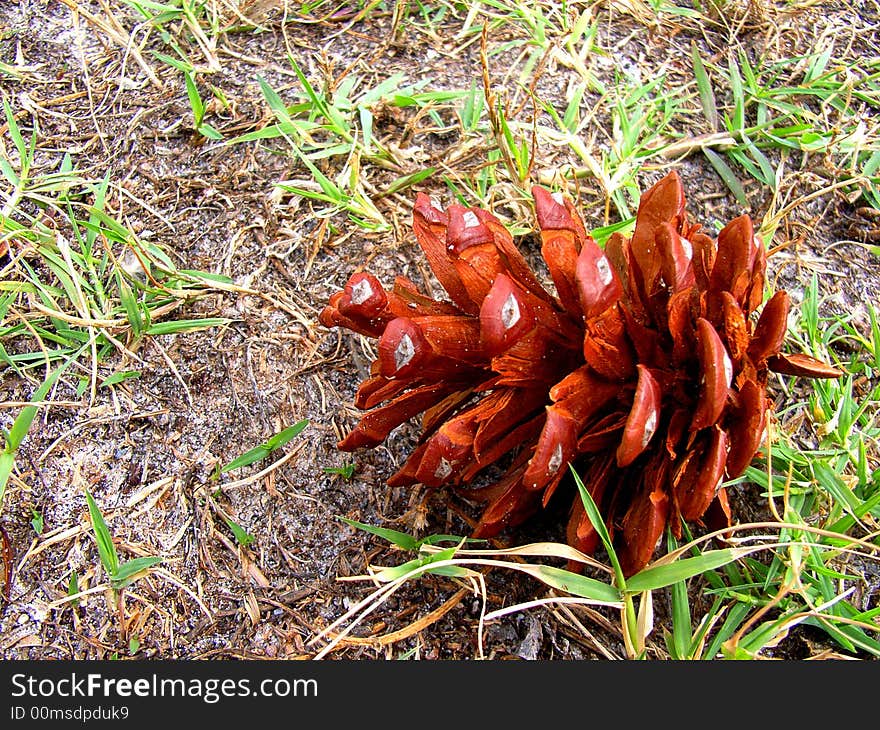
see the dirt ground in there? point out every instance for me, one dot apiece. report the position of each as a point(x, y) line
point(147, 448)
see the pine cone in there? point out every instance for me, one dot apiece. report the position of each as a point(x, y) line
point(646, 370)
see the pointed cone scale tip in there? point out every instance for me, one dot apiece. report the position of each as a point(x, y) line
point(364, 295)
point(802, 366)
point(554, 450)
point(427, 210)
point(717, 370)
point(550, 211)
point(745, 428)
point(504, 316)
point(735, 254)
point(441, 461)
point(455, 438)
point(607, 348)
point(580, 534)
point(328, 314)
point(771, 328)
point(598, 284)
point(465, 229)
point(675, 254)
point(664, 200)
point(701, 492)
point(679, 323)
point(643, 419)
point(642, 529)
point(402, 348)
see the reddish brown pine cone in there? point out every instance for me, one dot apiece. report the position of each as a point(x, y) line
point(646, 370)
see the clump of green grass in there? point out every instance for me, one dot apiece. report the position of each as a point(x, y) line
point(535, 32)
point(77, 286)
point(191, 29)
point(331, 126)
point(808, 105)
point(14, 437)
point(77, 275)
point(762, 120)
point(463, 564)
point(826, 500)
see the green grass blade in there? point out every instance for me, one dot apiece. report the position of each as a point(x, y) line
point(37, 521)
point(704, 85)
point(131, 570)
point(603, 233)
point(682, 629)
point(662, 576)
point(195, 101)
point(577, 585)
point(205, 276)
point(331, 190)
point(182, 66)
point(15, 134)
point(346, 471)
point(366, 117)
point(130, 305)
point(572, 111)
point(281, 438)
point(471, 109)
point(401, 539)
point(272, 131)
point(599, 526)
point(242, 536)
point(73, 587)
point(7, 462)
point(100, 192)
point(407, 181)
point(274, 101)
point(457, 539)
point(106, 548)
point(206, 130)
point(750, 167)
point(422, 564)
point(22, 425)
point(263, 450)
point(728, 175)
point(185, 325)
point(9, 173)
point(258, 453)
point(328, 111)
point(768, 173)
point(830, 481)
point(735, 616)
point(119, 377)
point(739, 102)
